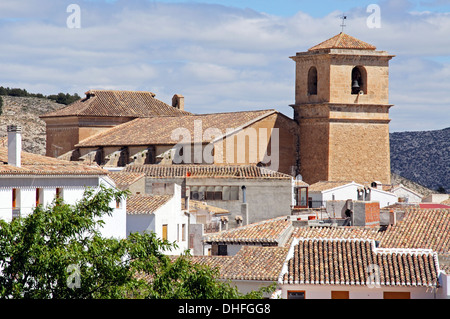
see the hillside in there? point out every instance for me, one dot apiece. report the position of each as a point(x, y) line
point(422, 157)
point(25, 111)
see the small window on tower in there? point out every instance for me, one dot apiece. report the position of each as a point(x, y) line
point(312, 81)
point(359, 80)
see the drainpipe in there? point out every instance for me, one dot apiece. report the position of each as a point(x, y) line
point(244, 205)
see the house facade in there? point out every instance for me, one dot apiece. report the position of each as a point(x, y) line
point(248, 192)
point(321, 192)
point(28, 180)
point(162, 215)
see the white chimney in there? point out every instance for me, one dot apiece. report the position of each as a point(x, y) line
point(14, 145)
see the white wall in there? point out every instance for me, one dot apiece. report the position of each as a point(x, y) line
point(6, 204)
point(356, 292)
point(115, 225)
point(384, 198)
point(169, 214)
point(405, 193)
point(172, 215)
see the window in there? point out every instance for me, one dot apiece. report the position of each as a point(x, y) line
point(301, 196)
point(396, 295)
point(59, 193)
point(296, 294)
point(340, 295)
point(222, 250)
point(15, 203)
point(214, 193)
point(359, 80)
point(14, 198)
point(183, 232)
point(312, 81)
point(39, 196)
point(164, 232)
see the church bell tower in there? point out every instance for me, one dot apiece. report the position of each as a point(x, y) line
point(342, 108)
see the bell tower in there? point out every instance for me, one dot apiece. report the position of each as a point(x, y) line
point(342, 108)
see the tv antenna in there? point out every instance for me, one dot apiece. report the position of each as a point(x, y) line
point(343, 18)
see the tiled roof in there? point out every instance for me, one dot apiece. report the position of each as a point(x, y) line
point(342, 232)
point(117, 103)
point(124, 179)
point(274, 231)
point(326, 185)
point(249, 263)
point(33, 164)
point(420, 228)
point(343, 41)
point(159, 130)
point(145, 204)
point(353, 262)
point(199, 205)
point(205, 171)
point(267, 232)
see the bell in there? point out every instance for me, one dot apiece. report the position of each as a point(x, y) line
point(355, 84)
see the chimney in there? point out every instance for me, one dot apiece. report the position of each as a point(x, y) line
point(178, 101)
point(14, 144)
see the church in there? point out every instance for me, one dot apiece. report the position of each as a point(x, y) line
point(339, 130)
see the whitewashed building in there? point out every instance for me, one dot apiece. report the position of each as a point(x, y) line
point(28, 180)
point(321, 192)
point(162, 215)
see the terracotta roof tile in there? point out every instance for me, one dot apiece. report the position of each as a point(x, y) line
point(347, 262)
point(343, 41)
point(274, 231)
point(33, 164)
point(159, 130)
point(326, 185)
point(117, 103)
point(249, 263)
point(267, 232)
point(123, 180)
point(145, 204)
point(420, 228)
point(205, 171)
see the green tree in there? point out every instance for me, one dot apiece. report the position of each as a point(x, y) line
point(58, 252)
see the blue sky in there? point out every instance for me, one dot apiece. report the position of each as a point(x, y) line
point(222, 55)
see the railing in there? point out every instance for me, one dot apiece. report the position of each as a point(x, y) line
point(211, 227)
point(15, 213)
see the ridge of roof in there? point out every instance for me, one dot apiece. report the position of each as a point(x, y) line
point(205, 171)
point(343, 41)
point(158, 130)
point(117, 103)
point(34, 164)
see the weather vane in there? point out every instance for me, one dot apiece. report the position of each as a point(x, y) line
point(344, 17)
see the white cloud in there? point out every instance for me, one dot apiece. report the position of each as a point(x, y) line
point(220, 58)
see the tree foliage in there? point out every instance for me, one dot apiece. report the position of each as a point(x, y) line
point(58, 252)
point(60, 98)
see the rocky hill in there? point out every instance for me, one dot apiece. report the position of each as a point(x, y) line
point(25, 111)
point(422, 157)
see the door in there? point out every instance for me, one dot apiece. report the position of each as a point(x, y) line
point(164, 232)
